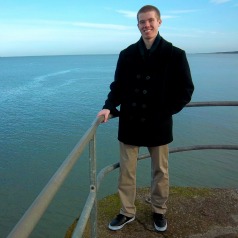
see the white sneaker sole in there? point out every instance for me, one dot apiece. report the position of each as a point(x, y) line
point(161, 228)
point(115, 228)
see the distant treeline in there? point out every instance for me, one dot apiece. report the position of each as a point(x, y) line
point(226, 52)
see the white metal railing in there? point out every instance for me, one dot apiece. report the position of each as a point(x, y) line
point(32, 216)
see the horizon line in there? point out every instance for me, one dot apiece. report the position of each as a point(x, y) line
point(88, 54)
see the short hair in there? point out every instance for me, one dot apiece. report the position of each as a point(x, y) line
point(148, 8)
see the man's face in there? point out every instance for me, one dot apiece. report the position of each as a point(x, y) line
point(148, 24)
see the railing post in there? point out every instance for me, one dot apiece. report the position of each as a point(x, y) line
point(93, 184)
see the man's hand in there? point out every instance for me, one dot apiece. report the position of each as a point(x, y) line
point(105, 113)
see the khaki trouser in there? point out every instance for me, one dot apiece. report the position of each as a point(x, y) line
point(159, 178)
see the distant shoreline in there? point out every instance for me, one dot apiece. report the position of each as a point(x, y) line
point(225, 52)
point(228, 52)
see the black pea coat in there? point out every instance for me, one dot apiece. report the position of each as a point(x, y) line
point(149, 86)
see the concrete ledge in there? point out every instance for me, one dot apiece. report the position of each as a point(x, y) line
point(192, 213)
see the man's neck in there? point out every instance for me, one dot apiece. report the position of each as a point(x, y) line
point(148, 43)
point(145, 45)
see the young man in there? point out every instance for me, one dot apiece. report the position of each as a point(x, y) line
point(152, 82)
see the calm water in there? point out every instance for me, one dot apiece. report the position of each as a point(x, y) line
point(47, 104)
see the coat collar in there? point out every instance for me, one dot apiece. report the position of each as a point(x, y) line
point(142, 47)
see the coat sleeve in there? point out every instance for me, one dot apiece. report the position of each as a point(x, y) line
point(182, 87)
point(114, 96)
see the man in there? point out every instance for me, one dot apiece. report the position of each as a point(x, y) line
point(152, 82)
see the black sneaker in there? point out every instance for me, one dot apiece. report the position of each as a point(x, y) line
point(120, 221)
point(160, 222)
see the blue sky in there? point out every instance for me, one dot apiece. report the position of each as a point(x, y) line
point(70, 27)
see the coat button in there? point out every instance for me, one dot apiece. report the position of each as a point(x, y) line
point(142, 119)
point(147, 77)
point(144, 91)
point(144, 106)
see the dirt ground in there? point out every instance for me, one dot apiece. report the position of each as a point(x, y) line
point(192, 213)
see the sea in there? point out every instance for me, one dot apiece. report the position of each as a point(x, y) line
point(47, 103)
